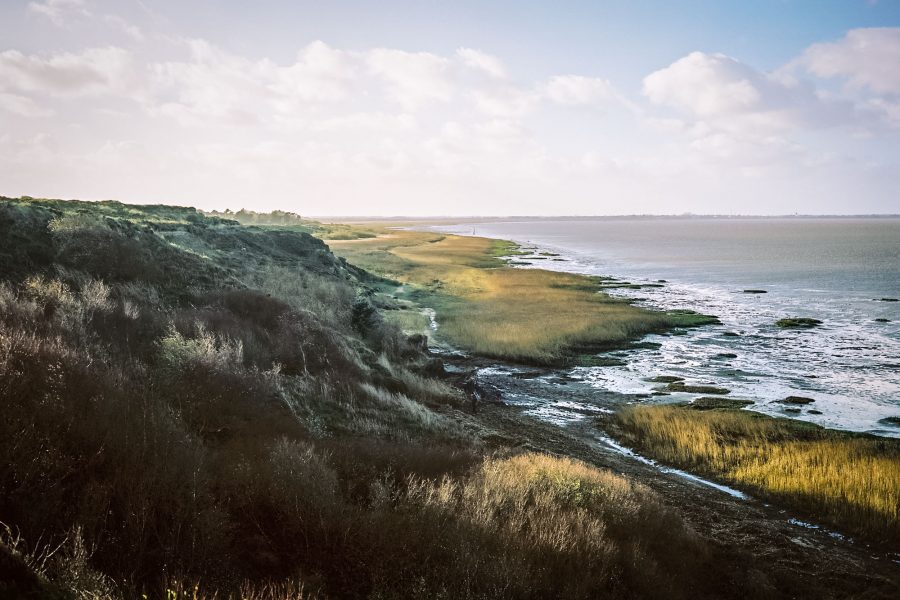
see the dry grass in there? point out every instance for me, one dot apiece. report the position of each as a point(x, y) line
point(495, 310)
point(848, 480)
point(565, 529)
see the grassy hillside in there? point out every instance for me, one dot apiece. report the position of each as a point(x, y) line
point(194, 407)
point(293, 221)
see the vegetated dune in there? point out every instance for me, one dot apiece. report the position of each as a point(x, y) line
point(197, 408)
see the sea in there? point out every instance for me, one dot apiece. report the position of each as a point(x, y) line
point(842, 271)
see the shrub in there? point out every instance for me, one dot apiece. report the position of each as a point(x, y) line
point(535, 526)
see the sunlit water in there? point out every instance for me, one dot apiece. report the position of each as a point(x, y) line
point(835, 270)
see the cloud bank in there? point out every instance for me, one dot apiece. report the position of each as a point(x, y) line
point(397, 131)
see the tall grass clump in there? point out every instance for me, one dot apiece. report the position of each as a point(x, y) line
point(540, 526)
point(847, 480)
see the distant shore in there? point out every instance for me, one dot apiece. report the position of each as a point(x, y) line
point(449, 219)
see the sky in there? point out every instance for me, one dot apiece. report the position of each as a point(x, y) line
point(455, 108)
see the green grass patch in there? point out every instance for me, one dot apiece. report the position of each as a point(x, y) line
point(689, 318)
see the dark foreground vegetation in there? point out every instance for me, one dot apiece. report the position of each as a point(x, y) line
point(193, 407)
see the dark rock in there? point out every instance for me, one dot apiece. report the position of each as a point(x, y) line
point(731, 334)
point(726, 355)
point(888, 299)
point(527, 374)
point(434, 367)
point(490, 393)
point(665, 379)
point(882, 320)
point(755, 292)
point(796, 400)
point(645, 345)
point(813, 411)
point(891, 421)
point(587, 360)
point(792, 410)
point(697, 389)
point(709, 403)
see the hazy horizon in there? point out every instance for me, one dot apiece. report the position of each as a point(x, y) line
point(437, 217)
point(414, 108)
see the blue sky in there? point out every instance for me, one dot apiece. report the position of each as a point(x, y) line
point(455, 108)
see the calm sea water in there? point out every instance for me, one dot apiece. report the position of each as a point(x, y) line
point(835, 270)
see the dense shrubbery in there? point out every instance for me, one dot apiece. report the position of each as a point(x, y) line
point(190, 405)
point(280, 218)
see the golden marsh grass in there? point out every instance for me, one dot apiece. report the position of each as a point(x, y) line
point(490, 308)
point(851, 481)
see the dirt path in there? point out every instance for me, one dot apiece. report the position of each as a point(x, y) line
point(753, 540)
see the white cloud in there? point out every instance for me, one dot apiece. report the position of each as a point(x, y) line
point(60, 11)
point(413, 78)
point(576, 90)
point(363, 121)
point(92, 72)
point(481, 61)
point(22, 106)
point(217, 86)
point(706, 85)
point(129, 29)
point(503, 101)
point(320, 74)
point(866, 58)
point(728, 94)
point(189, 119)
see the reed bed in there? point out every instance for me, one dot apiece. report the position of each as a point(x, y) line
point(847, 480)
point(492, 309)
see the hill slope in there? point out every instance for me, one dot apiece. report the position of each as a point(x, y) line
point(190, 401)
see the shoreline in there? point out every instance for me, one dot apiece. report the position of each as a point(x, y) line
point(539, 317)
point(748, 378)
point(562, 408)
point(748, 531)
point(550, 400)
